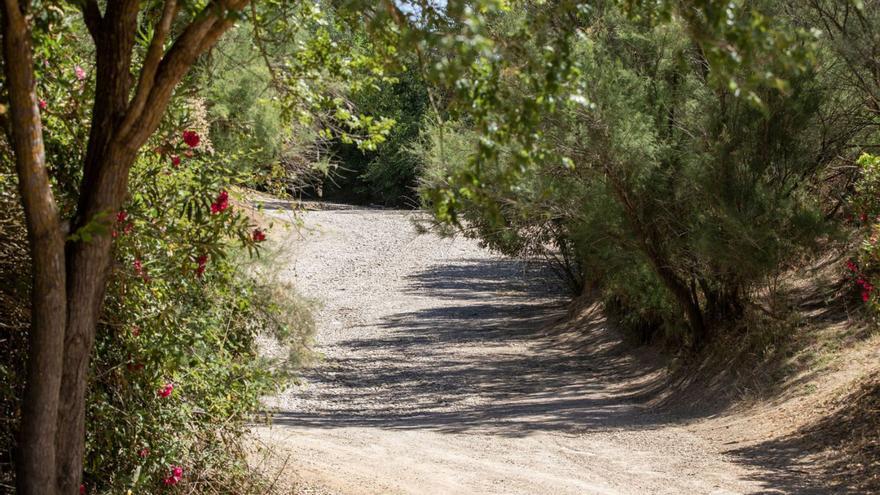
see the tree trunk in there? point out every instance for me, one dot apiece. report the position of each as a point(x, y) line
point(88, 268)
point(683, 296)
point(35, 458)
point(88, 265)
point(102, 192)
point(649, 240)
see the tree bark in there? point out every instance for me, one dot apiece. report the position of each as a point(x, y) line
point(102, 191)
point(35, 458)
point(88, 265)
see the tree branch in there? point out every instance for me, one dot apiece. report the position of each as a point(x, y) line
point(114, 46)
point(198, 37)
point(261, 47)
point(92, 16)
point(151, 64)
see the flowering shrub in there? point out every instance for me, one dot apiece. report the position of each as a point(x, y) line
point(175, 476)
point(864, 270)
point(175, 373)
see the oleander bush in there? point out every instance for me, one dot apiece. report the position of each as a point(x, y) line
point(176, 373)
point(863, 270)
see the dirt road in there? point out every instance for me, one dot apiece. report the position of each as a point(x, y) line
point(437, 379)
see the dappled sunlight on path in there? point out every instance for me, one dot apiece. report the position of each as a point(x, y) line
point(439, 377)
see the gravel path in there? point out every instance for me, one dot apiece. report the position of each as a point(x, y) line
point(436, 379)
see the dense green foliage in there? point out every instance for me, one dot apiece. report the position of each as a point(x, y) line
point(673, 196)
point(245, 114)
point(388, 174)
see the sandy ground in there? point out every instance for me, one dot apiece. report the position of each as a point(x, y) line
point(438, 378)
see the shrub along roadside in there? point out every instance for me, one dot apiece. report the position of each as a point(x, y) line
point(176, 373)
point(864, 270)
point(671, 195)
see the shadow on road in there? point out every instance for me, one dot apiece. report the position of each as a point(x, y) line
point(479, 362)
point(482, 361)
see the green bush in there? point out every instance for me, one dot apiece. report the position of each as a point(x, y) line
point(673, 197)
point(181, 313)
point(387, 174)
point(244, 111)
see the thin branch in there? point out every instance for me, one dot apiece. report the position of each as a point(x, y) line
point(151, 64)
point(261, 47)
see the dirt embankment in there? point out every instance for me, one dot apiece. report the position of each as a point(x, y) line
point(448, 370)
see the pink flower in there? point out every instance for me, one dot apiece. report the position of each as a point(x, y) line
point(144, 452)
point(43, 104)
point(191, 138)
point(79, 72)
point(175, 477)
point(203, 262)
point(121, 216)
point(259, 235)
point(166, 390)
point(221, 203)
point(851, 266)
point(82, 489)
point(866, 296)
point(865, 284)
point(139, 269)
point(175, 160)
